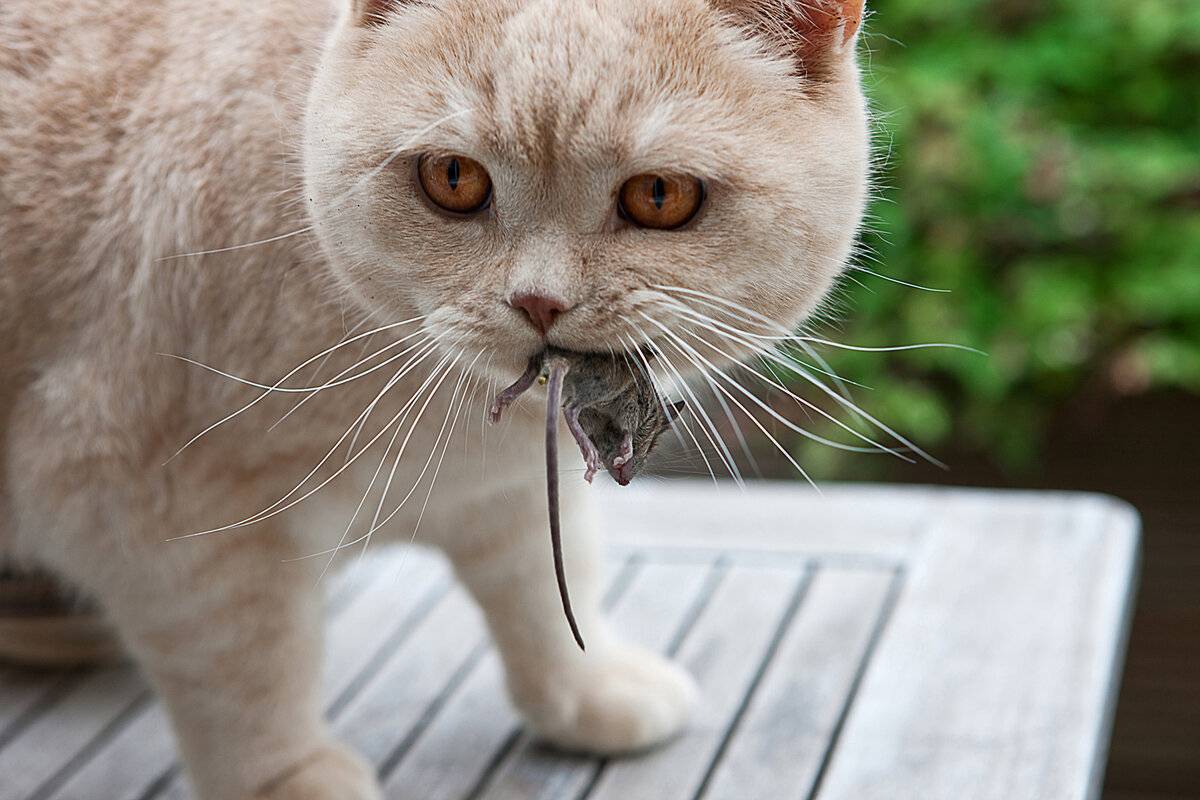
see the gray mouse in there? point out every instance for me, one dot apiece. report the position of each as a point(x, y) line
point(615, 415)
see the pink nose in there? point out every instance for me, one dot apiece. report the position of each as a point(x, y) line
point(540, 309)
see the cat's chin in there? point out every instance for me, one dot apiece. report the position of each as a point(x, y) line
point(503, 364)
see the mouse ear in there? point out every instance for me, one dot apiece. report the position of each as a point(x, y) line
point(674, 410)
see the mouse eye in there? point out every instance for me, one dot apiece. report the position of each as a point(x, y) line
point(661, 202)
point(457, 184)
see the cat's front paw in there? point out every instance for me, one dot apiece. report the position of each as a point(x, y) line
point(623, 700)
point(332, 773)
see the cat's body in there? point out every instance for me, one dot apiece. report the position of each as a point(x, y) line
point(133, 131)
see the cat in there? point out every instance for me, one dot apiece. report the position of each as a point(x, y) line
point(396, 203)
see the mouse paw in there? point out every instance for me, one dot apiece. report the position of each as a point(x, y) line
point(591, 456)
point(499, 406)
point(625, 454)
point(591, 463)
point(509, 395)
point(625, 700)
point(621, 467)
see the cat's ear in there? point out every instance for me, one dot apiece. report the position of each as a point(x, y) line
point(371, 13)
point(818, 32)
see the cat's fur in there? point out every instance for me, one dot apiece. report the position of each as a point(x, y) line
point(135, 130)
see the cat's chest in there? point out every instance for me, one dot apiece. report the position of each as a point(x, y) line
point(413, 478)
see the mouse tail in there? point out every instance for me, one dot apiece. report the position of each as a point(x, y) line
point(554, 391)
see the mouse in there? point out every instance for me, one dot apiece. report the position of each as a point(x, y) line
point(613, 412)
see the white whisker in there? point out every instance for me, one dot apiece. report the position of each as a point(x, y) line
point(262, 396)
point(803, 370)
point(308, 389)
point(793, 337)
point(708, 425)
point(438, 468)
point(823, 366)
point(876, 446)
point(737, 431)
point(633, 348)
point(759, 425)
point(374, 477)
point(889, 278)
point(234, 247)
point(346, 333)
point(375, 523)
point(378, 523)
point(768, 356)
point(275, 508)
point(862, 349)
point(336, 382)
point(429, 347)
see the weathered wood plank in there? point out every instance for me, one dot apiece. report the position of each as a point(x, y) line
point(781, 740)
point(469, 720)
point(58, 735)
point(393, 702)
point(993, 677)
point(660, 604)
point(23, 691)
point(400, 593)
point(139, 753)
point(452, 753)
point(747, 612)
point(875, 521)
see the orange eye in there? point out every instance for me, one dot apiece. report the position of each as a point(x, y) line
point(661, 202)
point(456, 183)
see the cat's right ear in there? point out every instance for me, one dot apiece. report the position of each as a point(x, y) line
point(819, 33)
point(372, 13)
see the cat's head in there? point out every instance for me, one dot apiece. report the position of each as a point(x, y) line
point(496, 164)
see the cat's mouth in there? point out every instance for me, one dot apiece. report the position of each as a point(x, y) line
point(646, 352)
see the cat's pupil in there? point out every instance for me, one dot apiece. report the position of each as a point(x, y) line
point(660, 193)
point(452, 174)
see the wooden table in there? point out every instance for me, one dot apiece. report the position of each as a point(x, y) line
point(869, 642)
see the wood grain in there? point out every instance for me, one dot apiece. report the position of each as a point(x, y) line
point(995, 675)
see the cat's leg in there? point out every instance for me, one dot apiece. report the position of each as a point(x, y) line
point(230, 638)
point(613, 698)
point(228, 634)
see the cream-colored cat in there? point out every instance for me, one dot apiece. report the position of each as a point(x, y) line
point(442, 187)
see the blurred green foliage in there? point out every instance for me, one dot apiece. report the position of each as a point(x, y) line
point(1040, 159)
